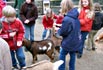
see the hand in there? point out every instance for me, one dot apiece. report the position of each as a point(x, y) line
point(26, 21)
point(19, 43)
point(97, 39)
point(12, 34)
point(90, 15)
point(49, 28)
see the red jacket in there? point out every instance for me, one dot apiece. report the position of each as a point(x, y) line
point(2, 4)
point(59, 19)
point(86, 23)
point(48, 22)
point(15, 26)
point(58, 23)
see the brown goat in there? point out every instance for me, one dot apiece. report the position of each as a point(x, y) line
point(56, 40)
point(40, 47)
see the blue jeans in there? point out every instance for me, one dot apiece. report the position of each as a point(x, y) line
point(29, 32)
point(20, 57)
point(72, 60)
point(84, 35)
point(45, 33)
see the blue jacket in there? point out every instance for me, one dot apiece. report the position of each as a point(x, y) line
point(70, 31)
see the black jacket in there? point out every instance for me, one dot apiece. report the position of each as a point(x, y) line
point(30, 12)
point(98, 21)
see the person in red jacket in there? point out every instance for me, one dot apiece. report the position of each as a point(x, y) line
point(58, 22)
point(48, 20)
point(2, 4)
point(14, 31)
point(86, 18)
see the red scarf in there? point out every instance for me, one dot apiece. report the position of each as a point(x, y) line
point(83, 12)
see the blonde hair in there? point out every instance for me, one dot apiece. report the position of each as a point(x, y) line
point(9, 11)
point(66, 5)
point(90, 13)
point(49, 11)
point(97, 7)
point(90, 4)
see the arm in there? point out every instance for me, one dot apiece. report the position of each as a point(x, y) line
point(35, 14)
point(65, 28)
point(55, 16)
point(20, 33)
point(23, 18)
point(88, 17)
point(85, 20)
point(44, 21)
point(102, 20)
point(99, 37)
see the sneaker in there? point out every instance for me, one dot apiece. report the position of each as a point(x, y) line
point(23, 68)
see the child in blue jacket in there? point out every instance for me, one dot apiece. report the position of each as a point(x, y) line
point(70, 31)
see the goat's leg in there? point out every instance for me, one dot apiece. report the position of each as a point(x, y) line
point(50, 55)
point(34, 58)
point(57, 48)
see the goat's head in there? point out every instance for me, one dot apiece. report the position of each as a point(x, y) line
point(26, 43)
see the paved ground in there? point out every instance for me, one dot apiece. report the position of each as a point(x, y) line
point(91, 60)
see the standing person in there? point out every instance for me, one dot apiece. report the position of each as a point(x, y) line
point(2, 4)
point(47, 21)
point(97, 24)
point(58, 23)
point(14, 29)
point(70, 31)
point(86, 18)
point(17, 6)
point(29, 14)
point(5, 57)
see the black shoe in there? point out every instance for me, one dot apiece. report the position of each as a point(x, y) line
point(79, 55)
point(93, 48)
point(15, 68)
